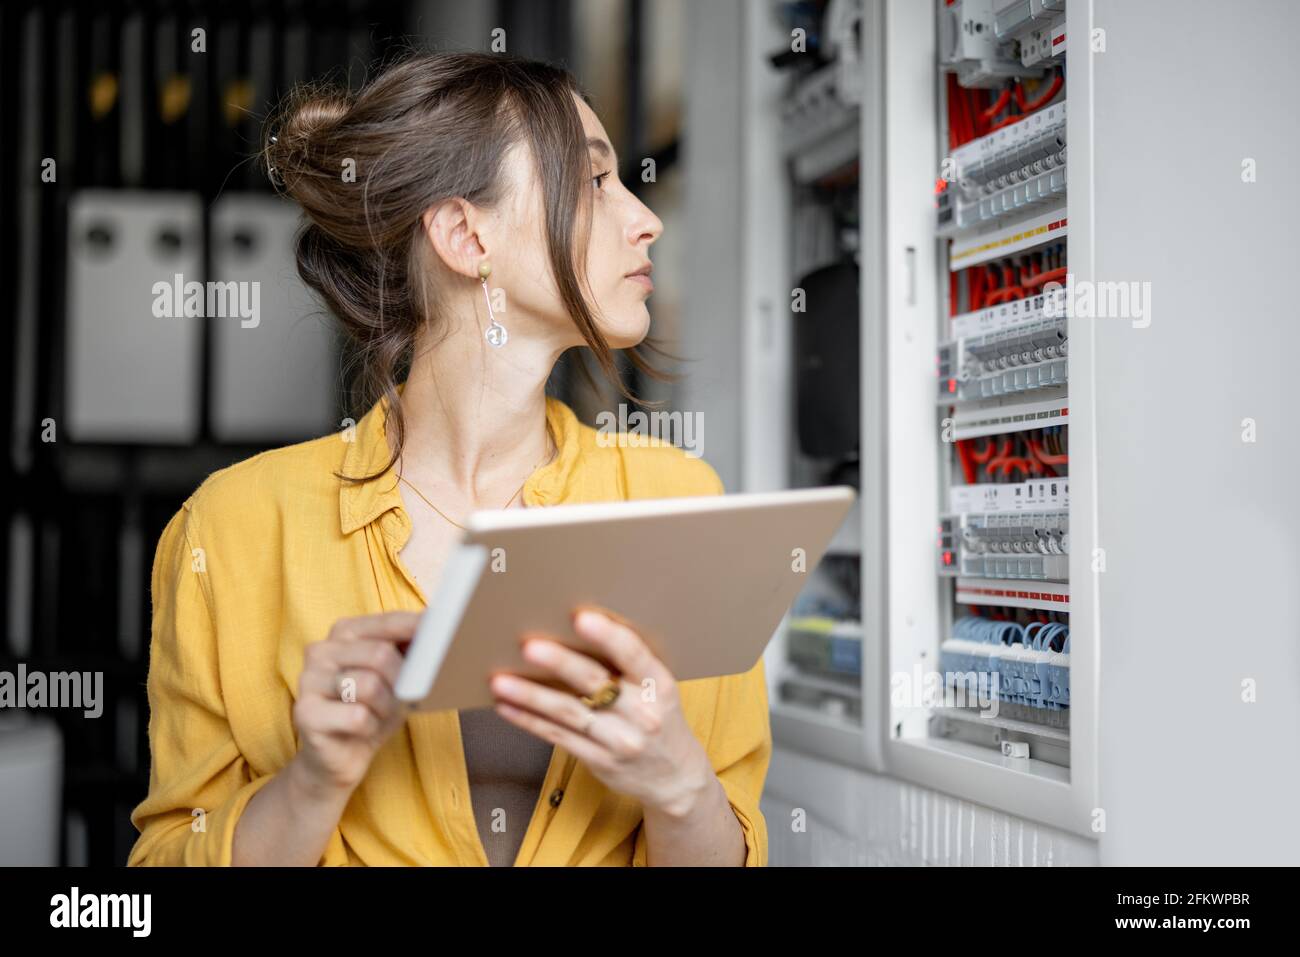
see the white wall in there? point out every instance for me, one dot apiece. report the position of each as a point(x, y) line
point(1202, 584)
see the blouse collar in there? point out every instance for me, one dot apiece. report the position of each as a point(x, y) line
point(360, 503)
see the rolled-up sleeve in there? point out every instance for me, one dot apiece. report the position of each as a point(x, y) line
point(740, 749)
point(199, 782)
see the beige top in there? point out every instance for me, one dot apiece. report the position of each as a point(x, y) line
point(507, 766)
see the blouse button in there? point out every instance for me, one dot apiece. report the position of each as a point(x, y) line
point(556, 796)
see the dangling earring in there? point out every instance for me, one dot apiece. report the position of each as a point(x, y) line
point(496, 333)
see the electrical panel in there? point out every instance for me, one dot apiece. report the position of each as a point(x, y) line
point(1002, 375)
point(947, 638)
point(980, 680)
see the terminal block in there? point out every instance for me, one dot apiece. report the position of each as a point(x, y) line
point(1025, 665)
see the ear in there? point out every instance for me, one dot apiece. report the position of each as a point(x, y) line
point(452, 230)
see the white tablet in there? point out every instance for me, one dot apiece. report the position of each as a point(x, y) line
point(706, 581)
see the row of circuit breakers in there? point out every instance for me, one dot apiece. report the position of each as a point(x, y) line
point(1002, 368)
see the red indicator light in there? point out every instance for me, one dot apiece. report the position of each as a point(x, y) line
point(952, 385)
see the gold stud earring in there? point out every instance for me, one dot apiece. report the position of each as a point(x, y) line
point(496, 333)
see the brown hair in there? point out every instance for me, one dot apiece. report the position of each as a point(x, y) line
point(429, 127)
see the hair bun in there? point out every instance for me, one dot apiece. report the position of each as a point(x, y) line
point(295, 130)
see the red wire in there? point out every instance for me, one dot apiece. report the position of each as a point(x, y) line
point(998, 106)
point(997, 461)
point(957, 132)
point(983, 455)
point(1052, 275)
point(1045, 457)
point(967, 466)
point(1052, 89)
point(979, 110)
point(975, 288)
point(966, 113)
point(1029, 106)
point(969, 118)
point(1006, 294)
point(1005, 291)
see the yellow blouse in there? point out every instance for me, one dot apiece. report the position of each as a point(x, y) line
point(262, 559)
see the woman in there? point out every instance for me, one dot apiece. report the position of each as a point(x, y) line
point(285, 586)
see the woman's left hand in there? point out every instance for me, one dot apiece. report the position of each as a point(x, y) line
point(640, 745)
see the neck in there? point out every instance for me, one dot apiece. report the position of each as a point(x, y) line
point(476, 416)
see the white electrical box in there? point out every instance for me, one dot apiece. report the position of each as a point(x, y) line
point(275, 368)
point(131, 256)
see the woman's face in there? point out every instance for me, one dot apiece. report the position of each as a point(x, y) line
point(622, 229)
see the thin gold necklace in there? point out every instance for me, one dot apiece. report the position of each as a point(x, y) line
point(554, 450)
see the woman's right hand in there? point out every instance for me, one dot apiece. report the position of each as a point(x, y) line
point(346, 708)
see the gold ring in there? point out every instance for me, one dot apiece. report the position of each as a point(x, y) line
point(605, 697)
